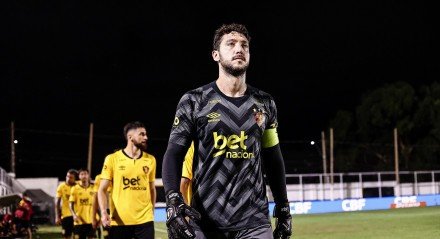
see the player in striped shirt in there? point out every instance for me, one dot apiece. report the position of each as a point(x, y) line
point(234, 129)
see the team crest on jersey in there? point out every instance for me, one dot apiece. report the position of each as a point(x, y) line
point(259, 116)
point(146, 169)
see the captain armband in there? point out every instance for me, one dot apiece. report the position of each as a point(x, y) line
point(270, 138)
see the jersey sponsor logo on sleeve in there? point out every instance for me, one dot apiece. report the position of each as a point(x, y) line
point(233, 146)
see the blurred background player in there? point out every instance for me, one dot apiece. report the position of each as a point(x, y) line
point(62, 212)
point(96, 224)
point(81, 198)
point(132, 172)
point(22, 217)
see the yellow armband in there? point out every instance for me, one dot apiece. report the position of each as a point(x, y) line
point(270, 138)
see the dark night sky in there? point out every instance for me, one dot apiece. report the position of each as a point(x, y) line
point(65, 64)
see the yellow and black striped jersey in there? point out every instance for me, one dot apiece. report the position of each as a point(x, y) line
point(228, 133)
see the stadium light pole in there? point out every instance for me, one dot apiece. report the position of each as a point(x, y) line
point(323, 153)
point(324, 156)
point(13, 147)
point(331, 164)
point(396, 161)
point(89, 156)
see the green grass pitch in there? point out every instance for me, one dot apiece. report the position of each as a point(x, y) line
point(383, 224)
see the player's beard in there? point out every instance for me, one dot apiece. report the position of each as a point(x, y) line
point(233, 70)
point(84, 180)
point(140, 145)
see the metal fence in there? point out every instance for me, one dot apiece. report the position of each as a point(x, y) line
point(8, 184)
point(305, 187)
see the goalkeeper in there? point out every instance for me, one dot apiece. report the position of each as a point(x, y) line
point(234, 129)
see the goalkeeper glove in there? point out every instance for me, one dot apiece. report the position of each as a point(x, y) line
point(283, 221)
point(177, 225)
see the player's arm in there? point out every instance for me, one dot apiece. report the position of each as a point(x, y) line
point(95, 206)
point(72, 210)
point(275, 172)
point(172, 167)
point(103, 202)
point(184, 187)
point(273, 164)
point(153, 193)
point(58, 211)
point(176, 223)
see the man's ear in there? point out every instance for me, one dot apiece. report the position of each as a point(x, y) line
point(215, 55)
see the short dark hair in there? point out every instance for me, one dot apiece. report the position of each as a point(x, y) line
point(83, 170)
point(132, 125)
point(74, 172)
point(226, 29)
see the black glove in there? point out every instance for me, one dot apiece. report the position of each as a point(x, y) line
point(283, 221)
point(177, 225)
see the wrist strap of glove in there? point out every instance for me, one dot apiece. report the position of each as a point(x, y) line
point(282, 210)
point(174, 198)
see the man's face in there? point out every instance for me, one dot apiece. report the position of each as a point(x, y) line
point(84, 176)
point(138, 137)
point(233, 54)
point(70, 178)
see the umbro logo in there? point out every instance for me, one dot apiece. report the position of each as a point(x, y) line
point(122, 167)
point(214, 101)
point(213, 117)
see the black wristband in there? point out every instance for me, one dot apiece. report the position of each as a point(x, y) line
point(282, 210)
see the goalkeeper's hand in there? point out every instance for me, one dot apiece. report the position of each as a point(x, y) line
point(283, 221)
point(177, 225)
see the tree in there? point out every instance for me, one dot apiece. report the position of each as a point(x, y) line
point(366, 135)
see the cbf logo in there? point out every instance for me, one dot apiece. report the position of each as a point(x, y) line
point(132, 183)
point(353, 204)
point(224, 144)
point(301, 207)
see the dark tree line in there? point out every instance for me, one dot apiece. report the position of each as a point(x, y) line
point(364, 138)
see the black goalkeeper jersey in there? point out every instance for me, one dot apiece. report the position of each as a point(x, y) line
point(228, 185)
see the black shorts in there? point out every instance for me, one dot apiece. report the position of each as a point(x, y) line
point(141, 231)
point(67, 226)
point(84, 231)
point(258, 232)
